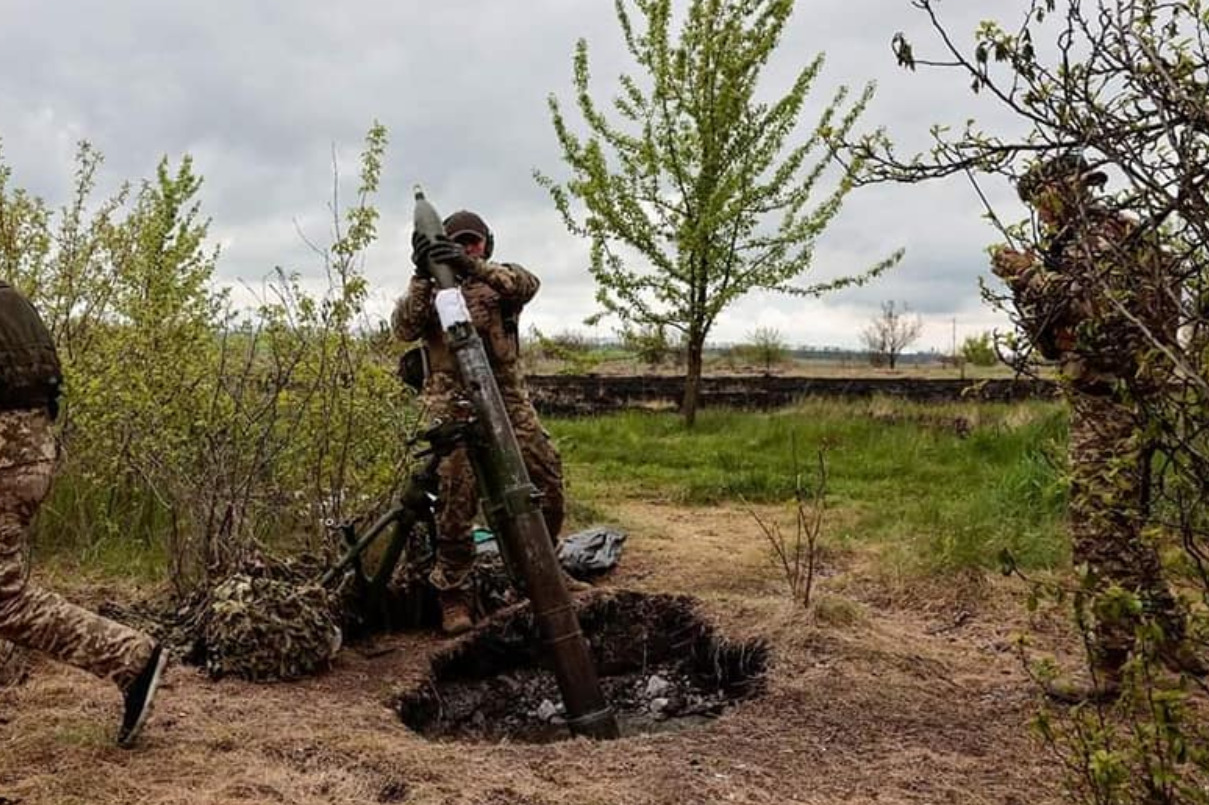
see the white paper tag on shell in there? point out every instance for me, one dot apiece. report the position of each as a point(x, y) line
point(451, 307)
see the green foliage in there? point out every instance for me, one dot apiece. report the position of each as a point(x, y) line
point(765, 347)
point(698, 190)
point(979, 350)
point(189, 429)
point(571, 349)
point(1148, 746)
point(941, 500)
point(649, 342)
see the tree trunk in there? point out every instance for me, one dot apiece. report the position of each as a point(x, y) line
point(692, 382)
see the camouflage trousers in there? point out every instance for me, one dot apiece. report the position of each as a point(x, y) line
point(1108, 509)
point(31, 617)
point(458, 495)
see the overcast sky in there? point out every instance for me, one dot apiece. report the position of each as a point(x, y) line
point(261, 92)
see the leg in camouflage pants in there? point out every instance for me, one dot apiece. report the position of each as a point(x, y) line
point(1110, 471)
point(31, 617)
point(459, 494)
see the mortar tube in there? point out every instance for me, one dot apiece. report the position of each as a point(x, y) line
point(512, 499)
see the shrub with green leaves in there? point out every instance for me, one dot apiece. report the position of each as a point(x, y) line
point(189, 426)
point(979, 350)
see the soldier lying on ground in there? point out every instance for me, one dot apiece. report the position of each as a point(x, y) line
point(31, 617)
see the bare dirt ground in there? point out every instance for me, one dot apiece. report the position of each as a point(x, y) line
point(881, 693)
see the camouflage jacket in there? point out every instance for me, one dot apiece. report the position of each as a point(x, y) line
point(495, 296)
point(1070, 299)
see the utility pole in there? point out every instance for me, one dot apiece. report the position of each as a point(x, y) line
point(957, 359)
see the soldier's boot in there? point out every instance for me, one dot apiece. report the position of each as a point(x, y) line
point(1180, 657)
point(574, 585)
point(1175, 650)
point(139, 695)
point(1105, 687)
point(1109, 651)
point(455, 611)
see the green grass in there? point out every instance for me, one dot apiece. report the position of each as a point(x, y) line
point(89, 525)
point(910, 481)
point(900, 480)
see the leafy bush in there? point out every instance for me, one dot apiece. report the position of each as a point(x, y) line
point(979, 350)
point(650, 343)
point(187, 425)
point(765, 347)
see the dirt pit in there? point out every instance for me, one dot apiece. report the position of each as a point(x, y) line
point(662, 668)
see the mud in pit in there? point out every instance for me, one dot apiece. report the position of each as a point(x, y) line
point(662, 668)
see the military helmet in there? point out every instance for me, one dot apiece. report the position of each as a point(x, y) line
point(1066, 166)
point(465, 222)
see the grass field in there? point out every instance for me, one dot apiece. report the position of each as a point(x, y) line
point(942, 487)
point(934, 488)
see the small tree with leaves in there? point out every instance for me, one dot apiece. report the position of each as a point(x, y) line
point(649, 342)
point(698, 191)
point(889, 333)
point(979, 350)
point(766, 346)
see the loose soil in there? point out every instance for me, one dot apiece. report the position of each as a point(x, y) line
point(882, 692)
point(661, 667)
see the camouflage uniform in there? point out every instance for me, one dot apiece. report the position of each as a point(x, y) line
point(1063, 296)
point(31, 617)
point(495, 294)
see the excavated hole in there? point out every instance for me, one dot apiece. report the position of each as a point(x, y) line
point(662, 667)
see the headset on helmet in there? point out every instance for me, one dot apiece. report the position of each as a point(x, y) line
point(464, 221)
point(1064, 167)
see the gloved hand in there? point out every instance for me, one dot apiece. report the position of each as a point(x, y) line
point(1006, 263)
point(453, 255)
point(421, 245)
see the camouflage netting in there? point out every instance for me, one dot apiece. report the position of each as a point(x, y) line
point(272, 622)
point(269, 620)
point(264, 629)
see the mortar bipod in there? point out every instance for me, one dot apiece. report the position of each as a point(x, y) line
point(413, 506)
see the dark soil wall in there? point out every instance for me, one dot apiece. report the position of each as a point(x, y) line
point(571, 395)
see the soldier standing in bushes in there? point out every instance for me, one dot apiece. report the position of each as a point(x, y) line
point(495, 294)
point(31, 617)
point(1083, 298)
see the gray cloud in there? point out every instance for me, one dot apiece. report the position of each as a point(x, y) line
point(260, 94)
